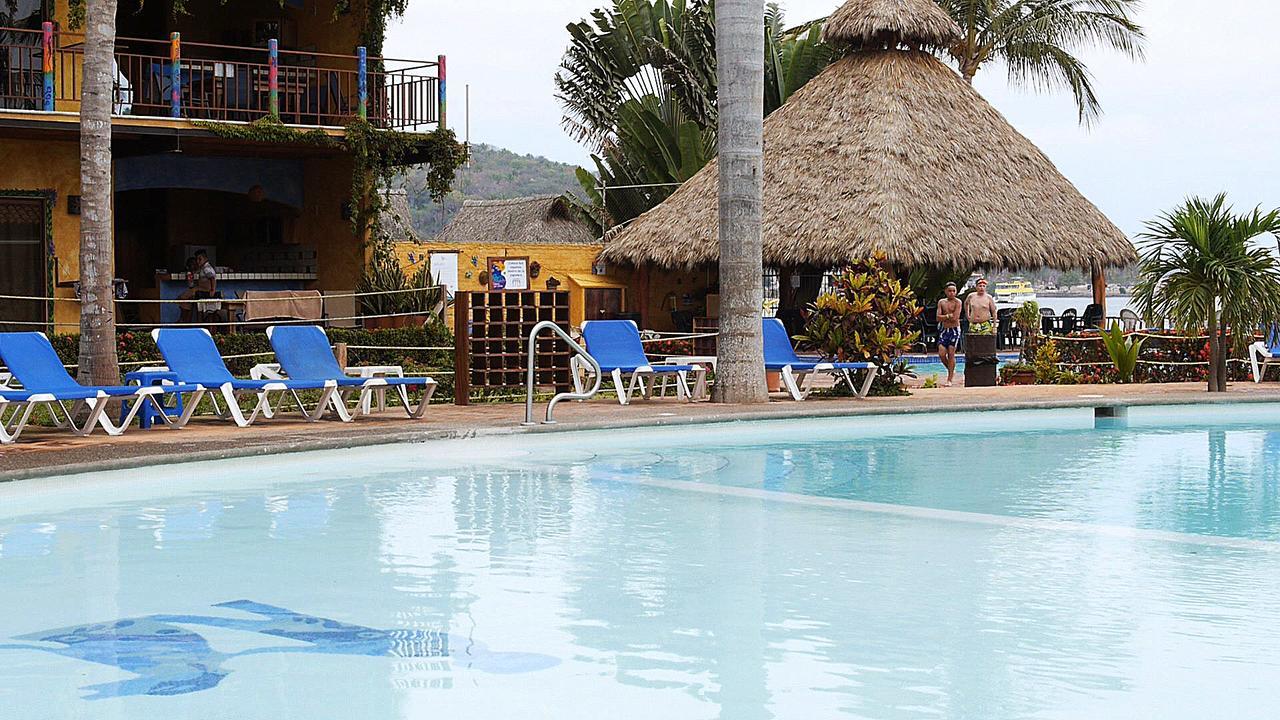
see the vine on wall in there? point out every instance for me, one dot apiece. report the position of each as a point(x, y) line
point(379, 155)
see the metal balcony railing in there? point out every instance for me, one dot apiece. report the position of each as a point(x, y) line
point(43, 70)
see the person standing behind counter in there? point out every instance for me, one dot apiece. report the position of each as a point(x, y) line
point(201, 285)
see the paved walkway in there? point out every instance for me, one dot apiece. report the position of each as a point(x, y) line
point(44, 452)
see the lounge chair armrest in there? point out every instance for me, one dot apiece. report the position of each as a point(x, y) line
point(267, 371)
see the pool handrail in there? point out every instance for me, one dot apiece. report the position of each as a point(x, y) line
point(533, 350)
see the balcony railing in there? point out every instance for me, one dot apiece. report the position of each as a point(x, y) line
point(224, 82)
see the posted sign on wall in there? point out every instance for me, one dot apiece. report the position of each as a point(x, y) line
point(444, 269)
point(508, 273)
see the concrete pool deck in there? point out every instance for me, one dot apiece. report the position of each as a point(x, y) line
point(46, 452)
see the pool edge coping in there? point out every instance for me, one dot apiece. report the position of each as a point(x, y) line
point(415, 436)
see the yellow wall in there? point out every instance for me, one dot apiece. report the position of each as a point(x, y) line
point(558, 261)
point(55, 167)
point(340, 254)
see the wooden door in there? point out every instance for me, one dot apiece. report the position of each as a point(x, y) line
point(22, 264)
point(602, 303)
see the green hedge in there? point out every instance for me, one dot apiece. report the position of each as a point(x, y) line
point(137, 347)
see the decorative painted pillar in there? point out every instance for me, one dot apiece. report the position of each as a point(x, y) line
point(175, 73)
point(273, 77)
point(440, 89)
point(362, 82)
point(47, 50)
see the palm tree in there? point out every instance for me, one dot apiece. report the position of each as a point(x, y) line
point(740, 75)
point(1198, 269)
point(638, 87)
point(98, 360)
point(1036, 39)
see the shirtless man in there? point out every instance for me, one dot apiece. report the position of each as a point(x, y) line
point(949, 331)
point(981, 311)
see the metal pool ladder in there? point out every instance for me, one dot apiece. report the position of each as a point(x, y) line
point(533, 349)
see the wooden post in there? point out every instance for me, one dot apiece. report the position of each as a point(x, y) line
point(175, 74)
point(1099, 280)
point(362, 82)
point(440, 89)
point(462, 348)
point(273, 79)
point(340, 352)
point(47, 51)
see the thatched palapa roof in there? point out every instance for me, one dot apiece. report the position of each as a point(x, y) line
point(542, 220)
point(862, 22)
point(888, 150)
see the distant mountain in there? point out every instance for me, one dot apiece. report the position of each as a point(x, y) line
point(492, 174)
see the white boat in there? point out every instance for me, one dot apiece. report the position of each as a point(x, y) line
point(1014, 292)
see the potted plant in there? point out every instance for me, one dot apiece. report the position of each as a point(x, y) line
point(382, 287)
point(1018, 373)
point(1027, 318)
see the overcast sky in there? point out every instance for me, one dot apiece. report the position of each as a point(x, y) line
point(1200, 115)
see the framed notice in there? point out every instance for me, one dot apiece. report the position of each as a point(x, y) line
point(444, 270)
point(509, 273)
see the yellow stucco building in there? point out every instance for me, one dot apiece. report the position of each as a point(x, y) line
point(535, 242)
point(272, 213)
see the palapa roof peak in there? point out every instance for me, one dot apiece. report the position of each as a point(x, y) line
point(891, 152)
point(874, 24)
point(538, 220)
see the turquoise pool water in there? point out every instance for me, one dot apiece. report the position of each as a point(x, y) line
point(925, 365)
point(997, 565)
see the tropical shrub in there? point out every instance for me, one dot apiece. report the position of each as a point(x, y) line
point(868, 316)
point(1123, 351)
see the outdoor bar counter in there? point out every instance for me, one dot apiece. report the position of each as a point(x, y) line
point(231, 285)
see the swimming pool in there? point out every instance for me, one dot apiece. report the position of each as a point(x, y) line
point(996, 565)
point(926, 365)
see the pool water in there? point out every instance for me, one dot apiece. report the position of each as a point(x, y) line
point(996, 565)
point(925, 366)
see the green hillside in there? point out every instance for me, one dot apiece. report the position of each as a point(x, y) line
point(492, 174)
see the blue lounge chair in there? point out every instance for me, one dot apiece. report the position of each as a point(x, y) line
point(191, 354)
point(1265, 353)
point(798, 374)
point(304, 354)
point(46, 383)
point(616, 346)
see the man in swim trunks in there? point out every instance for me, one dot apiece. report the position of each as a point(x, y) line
point(949, 331)
point(981, 310)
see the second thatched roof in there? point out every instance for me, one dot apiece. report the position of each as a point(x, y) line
point(859, 23)
point(540, 220)
point(889, 151)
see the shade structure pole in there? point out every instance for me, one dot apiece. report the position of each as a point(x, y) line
point(1099, 280)
point(740, 376)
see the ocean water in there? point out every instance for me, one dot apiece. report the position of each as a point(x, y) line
point(995, 565)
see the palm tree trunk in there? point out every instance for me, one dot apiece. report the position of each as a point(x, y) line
point(1215, 348)
point(1223, 348)
point(740, 77)
point(98, 362)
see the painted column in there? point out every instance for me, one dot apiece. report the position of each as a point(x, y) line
point(440, 87)
point(175, 74)
point(47, 52)
point(273, 77)
point(362, 82)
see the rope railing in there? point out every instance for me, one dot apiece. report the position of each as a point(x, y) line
point(160, 301)
point(232, 323)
